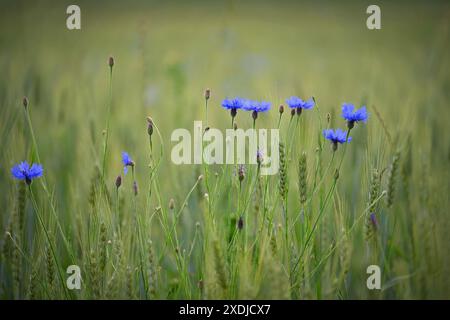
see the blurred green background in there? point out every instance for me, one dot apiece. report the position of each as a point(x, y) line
point(168, 53)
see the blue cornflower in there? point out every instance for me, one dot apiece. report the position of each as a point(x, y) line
point(262, 106)
point(233, 105)
point(351, 115)
point(336, 136)
point(308, 104)
point(298, 104)
point(127, 162)
point(249, 105)
point(253, 105)
point(256, 106)
point(23, 171)
point(294, 102)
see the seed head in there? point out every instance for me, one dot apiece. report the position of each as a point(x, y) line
point(302, 177)
point(283, 185)
point(392, 176)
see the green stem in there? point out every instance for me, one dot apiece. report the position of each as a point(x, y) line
point(44, 184)
point(108, 115)
point(52, 249)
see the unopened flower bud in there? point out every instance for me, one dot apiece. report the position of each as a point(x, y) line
point(111, 62)
point(254, 115)
point(25, 102)
point(149, 126)
point(241, 172)
point(292, 112)
point(135, 188)
point(281, 109)
point(171, 204)
point(118, 181)
point(240, 223)
point(336, 174)
point(259, 157)
point(207, 94)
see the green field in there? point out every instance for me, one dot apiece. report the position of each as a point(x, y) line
point(306, 232)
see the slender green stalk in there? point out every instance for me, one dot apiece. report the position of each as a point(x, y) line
point(108, 116)
point(52, 248)
point(44, 184)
